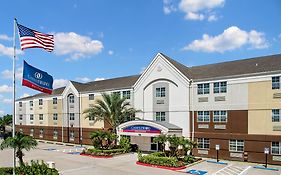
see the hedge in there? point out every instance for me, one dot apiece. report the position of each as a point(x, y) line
point(163, 161)
point(108, 152)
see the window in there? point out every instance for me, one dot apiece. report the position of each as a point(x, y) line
point(160, 116)
point(203, 116)
point(20, 118)
point(20, 104)
point(55, 116)
point(275, 82)
point(236, 145)
point(117, 93)
point(55, 136)
point(55, 101)
point(31, 103)
point(71, 99)
point(220, 116)
point(41, 117)
point(203, 143)
point(126, 94)
point(71, 116)
point(220, 87)
point(203, 88)
point(31, 117)
point(276, 115)
point(276, 148)
point(40, 101)
point(91, 118)
point(153, 145)
point(160, 92)
point(91, 96)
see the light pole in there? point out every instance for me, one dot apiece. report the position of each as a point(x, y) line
point(217, 149)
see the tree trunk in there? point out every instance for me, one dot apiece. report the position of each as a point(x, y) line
point(19, 154)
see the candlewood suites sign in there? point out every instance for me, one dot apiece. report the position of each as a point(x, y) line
point(141, 129)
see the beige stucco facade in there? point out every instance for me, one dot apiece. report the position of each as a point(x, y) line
point(261, 103)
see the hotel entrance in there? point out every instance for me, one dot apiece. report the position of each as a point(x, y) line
point(142, 132)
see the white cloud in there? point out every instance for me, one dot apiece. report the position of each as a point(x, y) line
point(5, 37)
point(5, 89)
point(99, 79)
point(7, 101)
point(76, 46)
point(9, 51)
point(142, 70)
point(168, 7)
point(110, 52)
point(59, 83)
point(232, 38)
point(200, 9)
point(83, 79)
point(24, 95)
point(212, 18)
point(8, 74)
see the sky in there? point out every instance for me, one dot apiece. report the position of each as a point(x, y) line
point(102, 39)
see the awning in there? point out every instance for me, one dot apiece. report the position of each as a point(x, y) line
point(148, 128)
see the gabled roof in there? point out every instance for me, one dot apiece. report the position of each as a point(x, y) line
point(55, 92)
point(237, 68)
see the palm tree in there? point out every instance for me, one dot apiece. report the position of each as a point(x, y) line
point(20, 142)
point(6, 120)
point(112, 109)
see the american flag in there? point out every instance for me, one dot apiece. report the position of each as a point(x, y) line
point(33, 39)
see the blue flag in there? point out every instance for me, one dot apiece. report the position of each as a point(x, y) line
point(37, 79)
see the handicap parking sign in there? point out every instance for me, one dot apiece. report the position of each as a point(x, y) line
point(197, 172)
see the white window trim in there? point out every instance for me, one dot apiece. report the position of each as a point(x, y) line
point(203, 117)
point(278, 148)
point(220, 121)
point(203, 143)
point(236, 146)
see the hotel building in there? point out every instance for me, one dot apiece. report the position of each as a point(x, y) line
point(235, 104)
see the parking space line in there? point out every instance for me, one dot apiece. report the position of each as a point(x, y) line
point(222, 169)
point(246, 169)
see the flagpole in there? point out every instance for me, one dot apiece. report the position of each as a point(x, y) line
point(14, 96)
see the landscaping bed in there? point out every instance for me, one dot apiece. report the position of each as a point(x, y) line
point(98, 153)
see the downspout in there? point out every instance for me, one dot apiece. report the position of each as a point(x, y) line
point(80, 128)
point(191, 108)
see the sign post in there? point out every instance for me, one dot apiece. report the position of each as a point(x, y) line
point(217, 149)
point(266, 152)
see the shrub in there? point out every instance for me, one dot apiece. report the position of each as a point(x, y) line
point(6, 170)
point(163, 161)
point(158, 154)
point(125, 144)
point(109, 152)
point(188, 159)
point(35, 168)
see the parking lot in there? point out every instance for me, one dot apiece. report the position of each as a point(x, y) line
point(69, 162)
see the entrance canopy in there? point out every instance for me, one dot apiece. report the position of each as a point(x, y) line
point(148, 128)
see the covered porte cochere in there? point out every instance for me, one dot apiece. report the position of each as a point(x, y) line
point(142, 132)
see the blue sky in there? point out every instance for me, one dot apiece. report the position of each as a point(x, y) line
point(108, 38)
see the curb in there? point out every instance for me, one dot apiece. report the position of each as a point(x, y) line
point(160, 166)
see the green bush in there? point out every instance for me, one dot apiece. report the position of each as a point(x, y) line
point(109, 152)
point(188, 159)
point(125, 144)
point(158, 154)
point(163, 161)
point(35, 168)
point(6, 170)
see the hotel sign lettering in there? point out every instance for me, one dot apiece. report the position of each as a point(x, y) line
point(142, 129)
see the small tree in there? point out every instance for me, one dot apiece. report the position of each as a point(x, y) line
point(112, 109)
point(6, 120)
point(161, 139)
point(20, 142)
point(103, 139)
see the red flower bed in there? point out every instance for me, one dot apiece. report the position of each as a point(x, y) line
point(159, 166)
